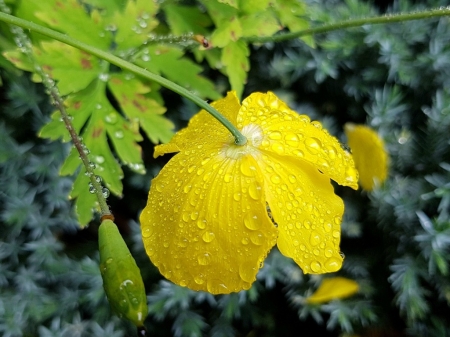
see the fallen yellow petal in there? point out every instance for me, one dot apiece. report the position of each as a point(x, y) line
point(369, 154)
point(333, 288)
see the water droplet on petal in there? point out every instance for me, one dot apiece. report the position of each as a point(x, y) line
point(333, 264)
point(252, 222)
point(201, 224)
point(336, 234)
point(291, 139)
point(257, 238)
point(204, 259)
point(227, 177)
point(247, 271)
point(208, 236)
point(199, 279)
point(159, 186)
point(313, 145)
point(216, 286)
point(314, 239)
point(275, 178)
point(316, 266)
point(275, 135)
point(255, 191)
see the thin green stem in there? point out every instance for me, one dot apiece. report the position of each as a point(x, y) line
point(24, 44)
point(239, 138)
point(390, 18)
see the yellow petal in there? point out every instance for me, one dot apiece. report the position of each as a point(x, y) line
point(371, 159)
point(333, 288)
point(289, 134)
point(307, 212)
point(203, 129)
point(205, 225)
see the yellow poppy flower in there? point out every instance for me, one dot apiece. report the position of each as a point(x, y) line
point(371, 159)
point(333, 288)
point(206, 224)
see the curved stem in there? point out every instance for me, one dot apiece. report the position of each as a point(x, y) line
point(239, 138)
point(390, 18)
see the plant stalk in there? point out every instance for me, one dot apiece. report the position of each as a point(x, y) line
point(385, 19)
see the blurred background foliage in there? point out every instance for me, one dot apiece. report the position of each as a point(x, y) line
point(396, 239)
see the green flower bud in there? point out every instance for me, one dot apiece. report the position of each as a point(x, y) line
point(121, 276)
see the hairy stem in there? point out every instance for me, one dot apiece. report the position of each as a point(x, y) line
point(239, 138)
point(390, 18)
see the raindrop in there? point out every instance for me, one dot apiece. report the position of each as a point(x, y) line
point(99, 159)
point(111, 118)
point(291, 139)
point(98, 179)
point(204, 259)
point(316, 266)
point(275, 178)
point(255, 191)
point(208, 236)
point(252, 222)
point(275, 135)
point(247, 271)
point(257, 238)
point(105, 192)
point(92, 189)
point(313, 145)
point(199, 279)
point(314, 239)
point(145, 57)
point(227, 177)
point(118, 134)
point(98, 106)
point(201, 224)
point(103, 77)
point(332, 264)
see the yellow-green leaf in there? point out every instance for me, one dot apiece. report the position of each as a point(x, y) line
point(72, 68)
point(71, 18)
point(235, 58)
point(259, 24)
point(135, 23)
point(169, 61)
point(186, 19)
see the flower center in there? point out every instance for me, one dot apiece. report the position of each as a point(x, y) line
point(254, 135)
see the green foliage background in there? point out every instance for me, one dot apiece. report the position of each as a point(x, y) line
point(396, 239)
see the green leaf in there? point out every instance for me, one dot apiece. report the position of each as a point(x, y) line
point(19, 59)
point(132, 96)
point(70, 17)
point(228, 27)
point(251, 6)
point(134, 23)
point(71, 67)
point(169, 62)
point(235, 58)
point(259, 24)
point(292, 14)
point(232, 3)
point(85, 202)
point(186, 19)
point(226, 32)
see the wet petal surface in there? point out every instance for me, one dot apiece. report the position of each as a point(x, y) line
point(307, 211)
point(287, 133)
point(205, 225)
